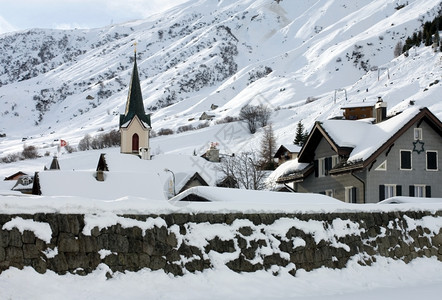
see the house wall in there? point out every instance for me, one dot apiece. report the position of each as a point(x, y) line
point(359, 113)
point(336, 184)
point(127, 133)
point(405, 178)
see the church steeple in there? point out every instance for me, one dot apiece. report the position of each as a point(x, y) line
point(135, 123)
point(134, 103)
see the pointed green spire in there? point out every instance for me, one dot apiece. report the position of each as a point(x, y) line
point(134, 104)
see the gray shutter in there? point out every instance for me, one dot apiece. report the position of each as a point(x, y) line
point(353, 195)
point(381, 192)
point(399, 190)
point(428, 191)
point(411, 190)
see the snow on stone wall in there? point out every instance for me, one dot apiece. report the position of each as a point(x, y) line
point(181, 243)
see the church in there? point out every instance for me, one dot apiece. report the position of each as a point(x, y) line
point(135, 124)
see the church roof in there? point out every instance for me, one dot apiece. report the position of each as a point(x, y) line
point(134, 104)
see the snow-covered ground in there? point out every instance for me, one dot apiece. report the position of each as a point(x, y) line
point(309, 49)
point(385, 279)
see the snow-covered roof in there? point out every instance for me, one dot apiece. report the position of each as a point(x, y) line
point(183, 166)
point(128, 175)
point(359, 104)
point(288, 167)
point(291, 147)
point(363, 136)
point(218, 194)
point(116, 184)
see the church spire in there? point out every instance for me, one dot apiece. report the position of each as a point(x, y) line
point(134, 104)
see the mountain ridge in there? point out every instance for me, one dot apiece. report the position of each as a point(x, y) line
point(293, 57)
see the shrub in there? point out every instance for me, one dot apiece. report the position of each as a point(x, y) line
point(203, 125)
point(165, 131)
point(29, 152)
point(185, 128)
point(227, 119)
point(10, 158)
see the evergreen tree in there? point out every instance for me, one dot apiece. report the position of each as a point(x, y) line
point(301, 136)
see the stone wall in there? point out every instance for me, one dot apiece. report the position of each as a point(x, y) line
point(182, 243)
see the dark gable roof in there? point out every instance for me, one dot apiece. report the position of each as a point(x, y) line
point(307, 153)
point(102, 164)
point(134, 104)
point(195, 177)
point(15, 176)
point(285, 148)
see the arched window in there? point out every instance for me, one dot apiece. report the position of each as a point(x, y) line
point(135, 143)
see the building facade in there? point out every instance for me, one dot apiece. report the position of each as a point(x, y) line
point(398, 157)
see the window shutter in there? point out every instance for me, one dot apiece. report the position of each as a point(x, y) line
point(428, 191)
point(328, 164)
point(315, 163)
point(399, 190)
point(353, 195)
point(411, 191)
point(381, 192)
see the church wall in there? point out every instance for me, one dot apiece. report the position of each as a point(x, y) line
point(127, 133)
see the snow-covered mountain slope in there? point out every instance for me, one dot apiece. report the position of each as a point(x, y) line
point(293, 56)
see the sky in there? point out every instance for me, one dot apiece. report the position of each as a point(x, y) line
point(70, 14)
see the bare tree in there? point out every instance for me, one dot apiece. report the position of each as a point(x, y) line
point(255, 116)
point(268, 148)
point(85, 143)
point(248, 114)
point(398, 49)
point(244, 169)
point(263, 115)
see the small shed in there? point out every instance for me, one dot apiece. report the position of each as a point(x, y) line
point(206, 116)
point(286, 152)
point(359, 110)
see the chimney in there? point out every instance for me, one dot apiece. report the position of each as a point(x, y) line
point(212, 154)
point(381, 110)
point(144, 153)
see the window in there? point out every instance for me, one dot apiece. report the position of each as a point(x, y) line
point(389, 190)
point(329, 193)
point(382, 166)
point(420, 190)
point(321, 167)
point(417, 134)
point(335, 160)
point(350, 194)
point(432, 161)
point(405, 160)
